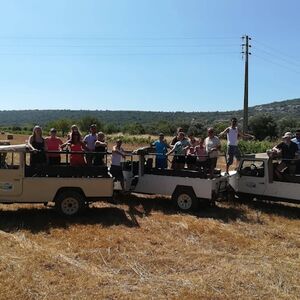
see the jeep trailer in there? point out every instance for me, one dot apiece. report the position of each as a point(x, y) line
point(188, 188)
point(70, 188)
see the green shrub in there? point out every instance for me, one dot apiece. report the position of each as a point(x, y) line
point(131, 139)
point(247, 147)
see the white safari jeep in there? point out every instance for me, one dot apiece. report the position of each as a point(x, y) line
point(187, 188)
point(256, 178)
point(70, 188)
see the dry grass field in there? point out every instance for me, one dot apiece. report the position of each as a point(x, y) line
point(143, 249)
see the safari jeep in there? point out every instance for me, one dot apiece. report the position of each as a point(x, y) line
point(70, 188)
point(187, 188)
point(256, 178)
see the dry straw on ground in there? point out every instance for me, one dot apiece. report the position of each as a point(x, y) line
point(143, 249)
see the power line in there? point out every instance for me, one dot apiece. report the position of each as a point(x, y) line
point(281, 53)
point(80, 44)
point(275, 63)
point(278, 57)
point(111, 38)
point(121, 46)
point(115, 54)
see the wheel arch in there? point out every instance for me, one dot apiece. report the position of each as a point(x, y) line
point(183, 188)
point(68, 189)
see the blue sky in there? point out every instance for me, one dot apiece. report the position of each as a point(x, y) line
point(162, 55)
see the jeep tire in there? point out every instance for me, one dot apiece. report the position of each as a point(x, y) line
point(69, 203)
point(185, 199)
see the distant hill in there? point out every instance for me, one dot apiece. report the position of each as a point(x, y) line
point(278, 109)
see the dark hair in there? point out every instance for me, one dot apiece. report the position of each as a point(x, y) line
point(233, 119)
point(73, 134)
point(298, 130)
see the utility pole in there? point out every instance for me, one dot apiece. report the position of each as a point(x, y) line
point(246, 53)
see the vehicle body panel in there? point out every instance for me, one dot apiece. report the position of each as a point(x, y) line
point(146, 183)
point(165, 185)
point(16, 188)
point(265, 187)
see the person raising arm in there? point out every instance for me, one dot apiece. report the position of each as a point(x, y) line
point(233, 134)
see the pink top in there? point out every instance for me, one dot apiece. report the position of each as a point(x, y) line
point(77, 159)
point(201, 153)
point(53, 145)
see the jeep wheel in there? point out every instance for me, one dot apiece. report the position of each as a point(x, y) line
point(185, 200)
point(69, 203)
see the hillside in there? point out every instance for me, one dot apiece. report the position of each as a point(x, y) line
point(22, 117)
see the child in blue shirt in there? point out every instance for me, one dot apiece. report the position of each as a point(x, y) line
point(161, 148)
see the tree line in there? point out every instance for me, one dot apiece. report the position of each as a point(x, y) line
point(263, 126)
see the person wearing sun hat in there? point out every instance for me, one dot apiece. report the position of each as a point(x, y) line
point(288, 150)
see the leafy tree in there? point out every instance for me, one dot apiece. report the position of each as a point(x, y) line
point(61, 125)
point(163, 126)
point(288, 124)
point(85, 122)
point(16, 128)
point(134, 128)
point(110, 128)
point(262, 126)
point(197, 129)
point(185, 126)
point(220, 126)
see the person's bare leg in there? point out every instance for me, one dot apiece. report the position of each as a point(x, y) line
point(227, 169)
point(237, 164)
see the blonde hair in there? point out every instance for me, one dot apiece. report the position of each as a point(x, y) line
point(74, 128)
point(34, 131)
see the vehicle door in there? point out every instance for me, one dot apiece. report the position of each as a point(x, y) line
point(252, 177)
point(11, 175)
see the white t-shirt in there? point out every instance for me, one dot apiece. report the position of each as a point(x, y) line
point(210, 143)
point(232, 136)
point(90, 140)
point(116, 157)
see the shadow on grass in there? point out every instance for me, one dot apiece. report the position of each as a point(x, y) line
point(143, 206)
point(38, 220)
point(289, 211)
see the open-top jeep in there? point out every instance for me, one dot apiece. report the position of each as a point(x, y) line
point(256, 178)
point(70, 188)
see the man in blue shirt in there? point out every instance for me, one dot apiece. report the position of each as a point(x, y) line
point(161, 148)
